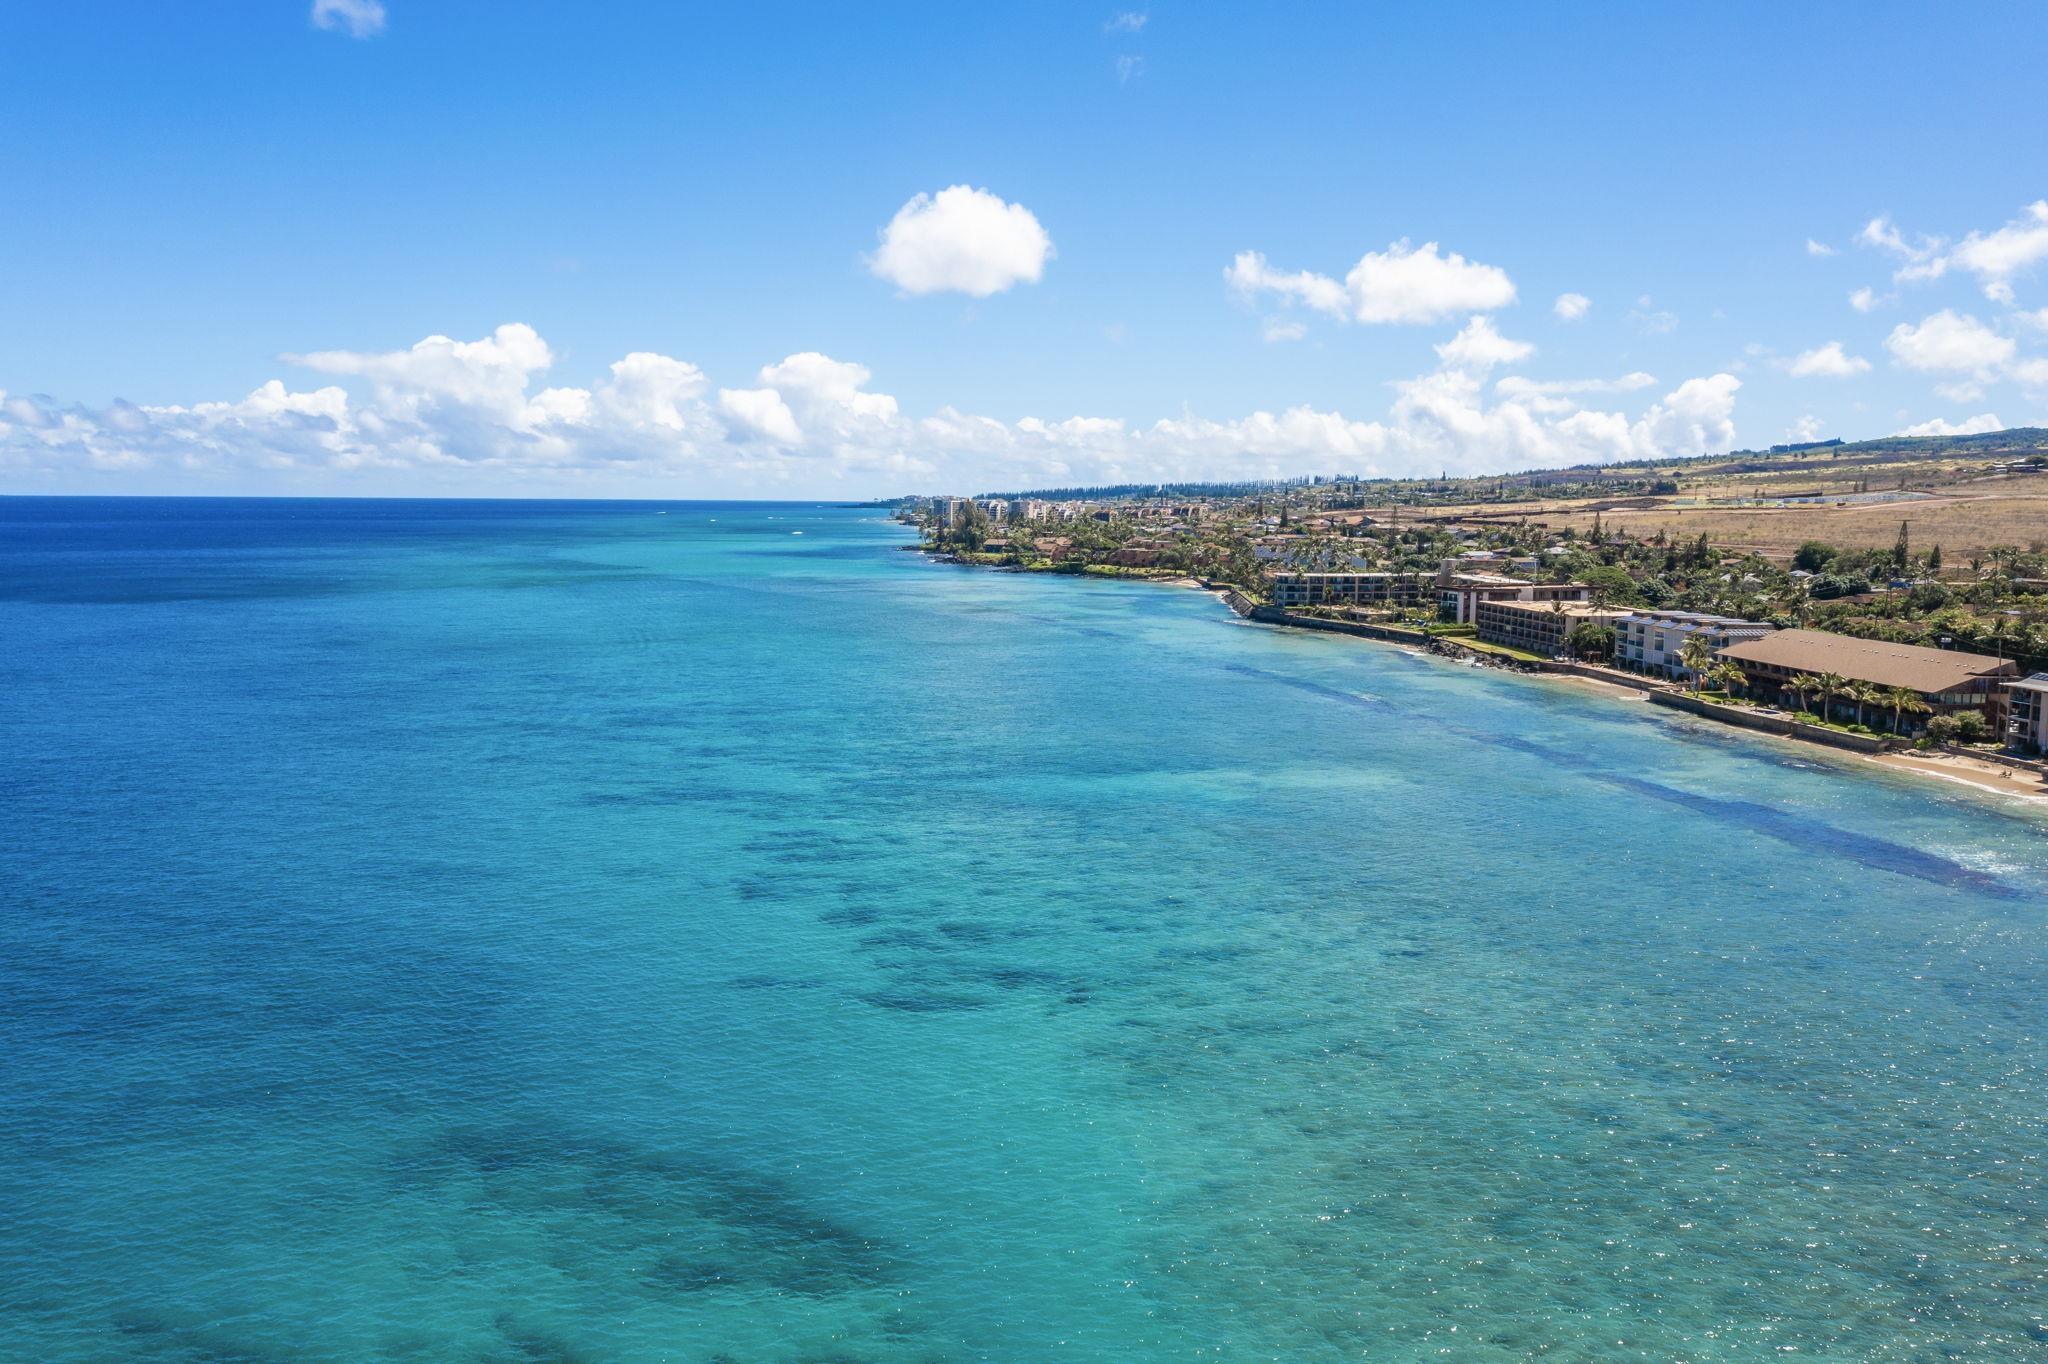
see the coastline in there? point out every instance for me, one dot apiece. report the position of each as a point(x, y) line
point(1981, 777)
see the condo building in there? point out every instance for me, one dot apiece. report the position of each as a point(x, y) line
point(1459, 595)
point(1652, 641)
point(1540, 628)
point(2026, 712)
point(1346, 589)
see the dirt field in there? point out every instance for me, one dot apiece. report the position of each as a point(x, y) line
point(1958, 510)
point(1964, 526)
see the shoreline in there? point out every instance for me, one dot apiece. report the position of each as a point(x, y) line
point(2027, 790)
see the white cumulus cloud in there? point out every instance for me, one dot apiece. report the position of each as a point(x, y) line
point(1695, 418)
point(1828, 362)
point(759, 412)
point(1968, 426)
point(1814, 248)
point(1479, 346)
point(362, 18)
point(1572, 307)
point(479, 416)
point(1996, 258)
point(1523, 387)
point(961, 240)
point(1249, 275)
point(1949, 342)
point(1403, 284)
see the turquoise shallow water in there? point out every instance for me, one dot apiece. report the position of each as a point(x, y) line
point(634, 932)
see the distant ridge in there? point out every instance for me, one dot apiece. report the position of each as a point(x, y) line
point(2009, 443)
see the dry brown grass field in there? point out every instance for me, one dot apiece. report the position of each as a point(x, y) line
point(1963, 525)
point(1957, 507)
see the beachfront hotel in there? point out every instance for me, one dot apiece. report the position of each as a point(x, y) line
point(1459, 595)
point(1540, 628)
point(1947, 681)
point(1345, 589)
point(1650, 641)
point(2026, 714)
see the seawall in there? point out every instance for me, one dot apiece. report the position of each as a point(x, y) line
point(1772, 724)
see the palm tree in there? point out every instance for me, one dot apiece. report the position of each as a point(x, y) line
point(1697, 656)
point(1862, 694)
point(1799, 684)
point(1829, 684)
point(1904, 701)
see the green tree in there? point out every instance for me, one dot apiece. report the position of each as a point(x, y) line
point(1799, 684)
point(1697, 655)
point(1813, 556)
point(1829, 685)
point(1903, 701)
point(1590, 639)
point(1900, 550)
point(1728, 675)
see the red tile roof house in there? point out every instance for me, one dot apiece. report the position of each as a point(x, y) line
point(1947, 681)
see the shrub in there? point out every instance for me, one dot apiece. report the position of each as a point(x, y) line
point(1830, 585)
point(1813, 556)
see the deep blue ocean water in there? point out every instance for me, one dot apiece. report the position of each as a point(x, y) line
point(500, 931)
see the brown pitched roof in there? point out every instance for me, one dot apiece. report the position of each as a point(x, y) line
point(1868, 660)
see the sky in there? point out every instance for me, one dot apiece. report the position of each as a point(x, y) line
point(492, 248)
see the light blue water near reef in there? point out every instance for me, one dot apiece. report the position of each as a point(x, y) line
point(626, 932)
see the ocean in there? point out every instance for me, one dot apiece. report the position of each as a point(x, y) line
point(707, 932)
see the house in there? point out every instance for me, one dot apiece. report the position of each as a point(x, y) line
point(1345, 589)
point(1946, 680)
point(2026, 713)
point(1652, 640)
point(1541, 628)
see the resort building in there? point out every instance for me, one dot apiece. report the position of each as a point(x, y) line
point(1459, 594)
point(1652, 640)
point(2026, 713)
point(1345, 589)
point(1946, 681)
point(1540, 628)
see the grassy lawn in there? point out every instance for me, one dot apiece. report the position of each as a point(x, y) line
point(1503, 651)
point(1125, 571)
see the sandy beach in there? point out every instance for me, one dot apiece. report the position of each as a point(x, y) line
point(1956, 767)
